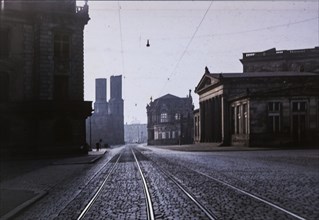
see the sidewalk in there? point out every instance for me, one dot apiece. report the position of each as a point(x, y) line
point(22, 181)
point(206, 147)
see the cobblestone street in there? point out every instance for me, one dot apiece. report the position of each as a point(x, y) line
point(212, 184)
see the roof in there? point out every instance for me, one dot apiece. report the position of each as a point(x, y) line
point(300, 90)
point(215, 79)
point(261, 74)
point(167, 96)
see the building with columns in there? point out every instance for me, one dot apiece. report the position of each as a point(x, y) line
point(259, 108)
point(107, 121)
point(42, 107)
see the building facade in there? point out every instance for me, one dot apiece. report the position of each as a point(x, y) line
point(107, 121)
point(42, 107)
point(274, 108)
point(170, 120)
point(135, 133)
point(272, 60)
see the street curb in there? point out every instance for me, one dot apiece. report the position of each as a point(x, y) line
point(80, 160)
point(23, 206)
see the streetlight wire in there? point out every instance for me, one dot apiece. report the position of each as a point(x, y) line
point(122, 51)
point(189, 43)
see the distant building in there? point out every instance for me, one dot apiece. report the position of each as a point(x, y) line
point(272, 60)
point(107, 121)
point(170, 120)
point(41, 76)
point(135, 133)
point(275, 108)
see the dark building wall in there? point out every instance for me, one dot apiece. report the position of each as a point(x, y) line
point(42, 66)
point(256, 91)
point(283, 125)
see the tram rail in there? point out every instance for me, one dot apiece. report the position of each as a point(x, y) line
point(150, 212)
point(208, 213)
point(252, 195)
point(97, 193)
point(206, 210)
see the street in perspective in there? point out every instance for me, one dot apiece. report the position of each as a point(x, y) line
point(137, 182)
point(159, 110)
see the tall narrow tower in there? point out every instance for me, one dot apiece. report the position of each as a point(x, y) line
point(116, 102)
point(100, 105)
point(116, 108)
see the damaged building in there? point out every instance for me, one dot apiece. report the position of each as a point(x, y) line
point(170, 120)
point(42, 107)
point(274, 102)
point(107, 121)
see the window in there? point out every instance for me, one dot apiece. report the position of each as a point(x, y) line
point(299, 106)
point(233, 116)
point(299, 120)
point(4, 43)
point(164, 117)
point(245, 121)
point(177, 116)
point(238, 119)
point(274, 117)
point(61, 53)
point(61, 46)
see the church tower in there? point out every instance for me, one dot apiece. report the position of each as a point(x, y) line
point(116, 107)
point(100, 105)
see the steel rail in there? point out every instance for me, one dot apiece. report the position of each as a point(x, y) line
point(187, 193)
point(251, 195)
point(149, 205)
point(88, 206)
point(202, 207)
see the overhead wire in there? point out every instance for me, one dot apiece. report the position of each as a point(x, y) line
point(121, 37)
point(182, 55)
point(187, 46)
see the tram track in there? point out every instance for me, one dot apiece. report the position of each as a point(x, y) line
point(99, 192)
point(259, 198)
point(209, 180)
point(150, 212)
point(183, 189)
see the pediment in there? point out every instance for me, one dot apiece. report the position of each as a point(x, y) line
point(206, 81)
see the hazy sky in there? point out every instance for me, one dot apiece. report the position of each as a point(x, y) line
point(185, 36)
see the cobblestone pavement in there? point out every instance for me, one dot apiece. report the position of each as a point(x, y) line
point(287, 178)
point(61, 182)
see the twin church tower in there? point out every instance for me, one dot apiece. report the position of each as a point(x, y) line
point(107, 121)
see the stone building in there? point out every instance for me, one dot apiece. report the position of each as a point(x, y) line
point(42, 107)
point(304, 60)
point(260, 108)
point(107, 121)
point(135, 133)
point(170, 120)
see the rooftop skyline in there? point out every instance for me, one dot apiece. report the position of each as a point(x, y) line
point(185, 37)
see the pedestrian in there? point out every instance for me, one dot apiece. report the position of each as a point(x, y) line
point(100, 143)
point(97, 145)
